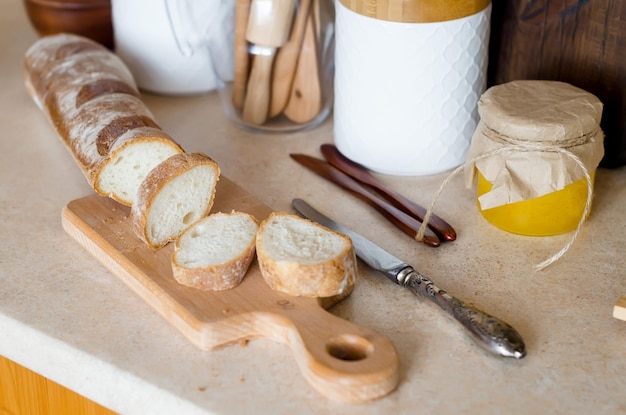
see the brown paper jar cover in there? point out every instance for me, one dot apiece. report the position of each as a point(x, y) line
point(528, 136)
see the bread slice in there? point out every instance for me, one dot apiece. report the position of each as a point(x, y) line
point(176, 193)
point(302, 258)
point(91, 99)
point(215, 252)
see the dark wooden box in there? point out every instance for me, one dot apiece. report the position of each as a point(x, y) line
point(582, 42)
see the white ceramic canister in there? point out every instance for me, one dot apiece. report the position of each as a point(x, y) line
point(174, 46)
point(408, 76)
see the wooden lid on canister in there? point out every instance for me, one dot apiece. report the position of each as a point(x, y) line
point(416, 11)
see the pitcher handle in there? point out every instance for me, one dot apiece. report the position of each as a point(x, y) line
point(173, 13)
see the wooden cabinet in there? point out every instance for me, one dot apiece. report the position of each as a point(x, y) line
point(582, 42)
point(24, 392)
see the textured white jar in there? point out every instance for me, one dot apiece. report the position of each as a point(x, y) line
point(406, 93)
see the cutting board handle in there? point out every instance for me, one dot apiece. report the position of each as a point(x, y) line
point(342, 360)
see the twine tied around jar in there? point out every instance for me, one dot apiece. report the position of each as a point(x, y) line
point(510, 145)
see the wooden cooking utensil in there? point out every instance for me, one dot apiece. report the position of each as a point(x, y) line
point(401, 220)
point(240, 76)
point(305, 97)
point(316, 12)
point(287, 60)
point(619, 311)
point(443, 229)
point(268, 28)
point(340, 359)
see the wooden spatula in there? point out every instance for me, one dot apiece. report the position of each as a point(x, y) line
point(305, 97)
point(268, 28)
point(287, 60)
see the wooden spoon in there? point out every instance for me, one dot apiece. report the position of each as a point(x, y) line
point(287, 60)
point(305, 98)
point(268, 28)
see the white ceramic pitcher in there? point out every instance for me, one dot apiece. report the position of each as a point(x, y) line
point(175, 47)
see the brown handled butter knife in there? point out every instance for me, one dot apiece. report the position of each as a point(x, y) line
point(489, 332)
point(404, 222)
point(360, 173)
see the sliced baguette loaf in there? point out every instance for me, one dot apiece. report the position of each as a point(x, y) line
point(90, 98)
point(302, 258)
point(175, 194)
point(215, 253)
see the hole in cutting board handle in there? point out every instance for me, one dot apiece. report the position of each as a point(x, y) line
point(349, 347)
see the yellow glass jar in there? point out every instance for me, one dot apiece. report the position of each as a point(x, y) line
point(530, 155)
point(551, 214)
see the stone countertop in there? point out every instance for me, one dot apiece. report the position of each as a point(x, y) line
point(63, 315)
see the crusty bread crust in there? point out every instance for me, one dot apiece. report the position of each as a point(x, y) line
point(218, 277)
point(334, 277)
point(83, 88)
point(156, 181)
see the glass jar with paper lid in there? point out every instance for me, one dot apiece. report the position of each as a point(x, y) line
point(534, 155)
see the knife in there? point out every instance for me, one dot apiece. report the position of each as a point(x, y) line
point(404, 222)
point(489, 332)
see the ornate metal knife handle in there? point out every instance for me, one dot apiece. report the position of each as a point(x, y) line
point(491, 333)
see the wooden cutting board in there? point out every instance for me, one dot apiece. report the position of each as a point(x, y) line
point(340, 359)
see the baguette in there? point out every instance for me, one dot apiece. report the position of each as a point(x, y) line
point(176, 193)
point(215, 253)
point(302, 258)
point(90, 98)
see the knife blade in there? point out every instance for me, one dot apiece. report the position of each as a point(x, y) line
point(401, 220)
point(489, 332)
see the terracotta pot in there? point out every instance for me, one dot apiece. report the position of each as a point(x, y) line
point(89, 18)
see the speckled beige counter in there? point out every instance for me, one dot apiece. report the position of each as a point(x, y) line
point(66, 317)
